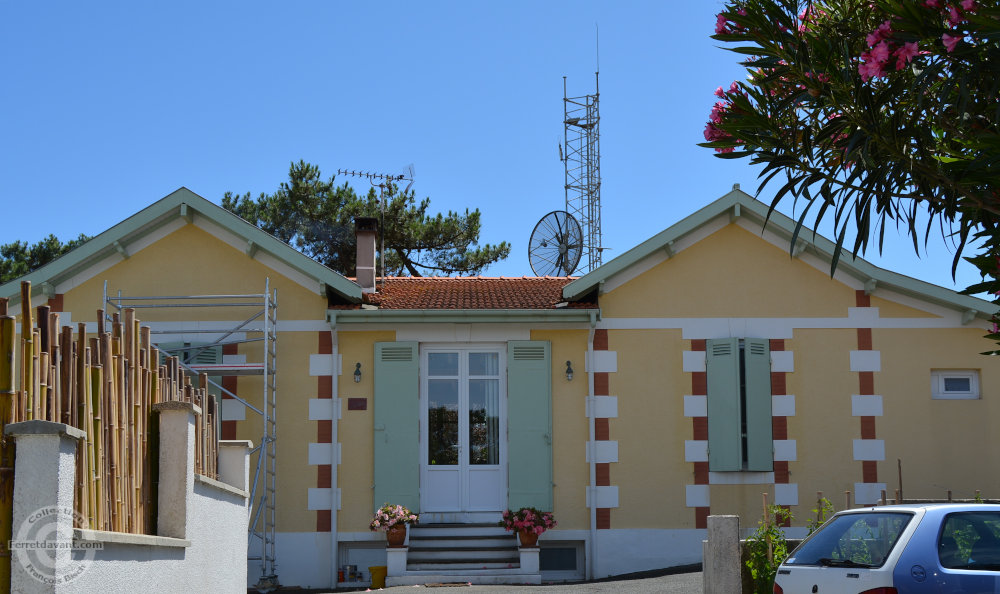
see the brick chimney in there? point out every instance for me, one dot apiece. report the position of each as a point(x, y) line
point(365, 229)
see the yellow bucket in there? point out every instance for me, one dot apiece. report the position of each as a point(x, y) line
point(378, 575)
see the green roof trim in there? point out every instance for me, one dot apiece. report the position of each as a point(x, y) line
point(740, 204)
point(182, 203)
point(460, 316)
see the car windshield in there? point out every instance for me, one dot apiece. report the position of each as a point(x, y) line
point(970, 540)
point(852, 540)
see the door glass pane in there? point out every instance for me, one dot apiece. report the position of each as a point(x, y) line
point(442, 363)
point(484, 421)
point(442, 421)
point(484, 363)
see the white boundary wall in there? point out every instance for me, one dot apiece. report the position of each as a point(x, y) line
point(201, 544)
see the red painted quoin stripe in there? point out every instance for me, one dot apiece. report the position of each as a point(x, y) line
point(699, 431)
point(602, 429)
point(229, 382)
point(779, 425)
point(866, 387)
point(324, 433)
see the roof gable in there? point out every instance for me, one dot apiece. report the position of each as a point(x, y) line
point(738, 204)
point(183, 204)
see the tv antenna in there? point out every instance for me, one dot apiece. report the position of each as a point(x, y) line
point(384, 182)
point(581, 156)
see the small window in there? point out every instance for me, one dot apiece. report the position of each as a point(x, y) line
point(970, 540)
point(951, 384)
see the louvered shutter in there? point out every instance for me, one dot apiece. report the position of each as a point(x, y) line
point(529, 424)
point(723, 377)
point(760, 447)
point(396, 425)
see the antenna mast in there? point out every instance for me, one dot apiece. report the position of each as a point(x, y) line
point(383, 181)
point(582, 160)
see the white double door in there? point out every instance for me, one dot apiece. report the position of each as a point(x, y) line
point(463, 429)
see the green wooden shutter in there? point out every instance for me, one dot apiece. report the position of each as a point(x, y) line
point(529, 424)
point(760, 447)
point(397, 422)
point(723, 377)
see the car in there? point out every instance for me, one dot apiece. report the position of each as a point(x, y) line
point(898, 549)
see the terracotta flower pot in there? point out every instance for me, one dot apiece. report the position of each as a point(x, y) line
point(528, 538)
point(396, 535)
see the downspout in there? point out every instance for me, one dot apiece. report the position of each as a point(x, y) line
point(334, 447)
point(592, 447)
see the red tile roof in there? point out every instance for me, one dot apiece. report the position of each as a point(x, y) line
point(476, 292)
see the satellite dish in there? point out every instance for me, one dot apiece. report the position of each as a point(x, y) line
point(555, 245)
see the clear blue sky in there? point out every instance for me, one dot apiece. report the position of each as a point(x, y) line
point(108, 106)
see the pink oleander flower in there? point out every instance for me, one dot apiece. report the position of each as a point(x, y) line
point(880, 53)
point(720, 93)
point(905, 54)
point(932, 3)
point(969, 5)
point(870, 69)
point(950, 41)
point(721, 24)
point(954, 16)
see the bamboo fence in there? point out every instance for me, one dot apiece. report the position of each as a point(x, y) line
point(106, 385)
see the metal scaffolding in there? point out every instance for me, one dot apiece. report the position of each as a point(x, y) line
point(263, 323)
point(582, 139)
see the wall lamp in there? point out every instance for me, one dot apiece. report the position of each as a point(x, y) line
point(357, 373)
point(569, 371)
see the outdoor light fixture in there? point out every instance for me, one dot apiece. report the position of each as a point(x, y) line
point(569, 371)
point(357, 373)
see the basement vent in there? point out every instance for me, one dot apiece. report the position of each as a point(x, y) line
point(529, 353)
point(397, 353)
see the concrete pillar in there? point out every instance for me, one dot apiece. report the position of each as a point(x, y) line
point(44, 480)
point(721, 556)
point(176, 456)
point(529, 559)
point(395, 560)
point(234, 463)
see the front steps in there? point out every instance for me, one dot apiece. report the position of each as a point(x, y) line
point(450, 553)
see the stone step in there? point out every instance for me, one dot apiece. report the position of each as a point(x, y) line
point(482, 577)
point(461, 542)
point(468, 555)
point(459, 567)
point(436, 530)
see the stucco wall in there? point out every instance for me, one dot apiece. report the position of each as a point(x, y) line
point(215, 561)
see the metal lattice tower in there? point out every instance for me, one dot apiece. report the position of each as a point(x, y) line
point(582, 158)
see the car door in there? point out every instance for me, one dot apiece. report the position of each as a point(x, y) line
point(952, 552)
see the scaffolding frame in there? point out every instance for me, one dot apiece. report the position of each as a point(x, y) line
point(263, 321)
point(582, 139)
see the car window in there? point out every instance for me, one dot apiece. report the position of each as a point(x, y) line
point(852, 540)
point(970, 540)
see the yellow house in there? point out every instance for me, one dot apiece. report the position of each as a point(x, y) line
point(688, 376)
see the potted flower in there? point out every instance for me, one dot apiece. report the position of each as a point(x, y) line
point(393, 519)
point(528, 522)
